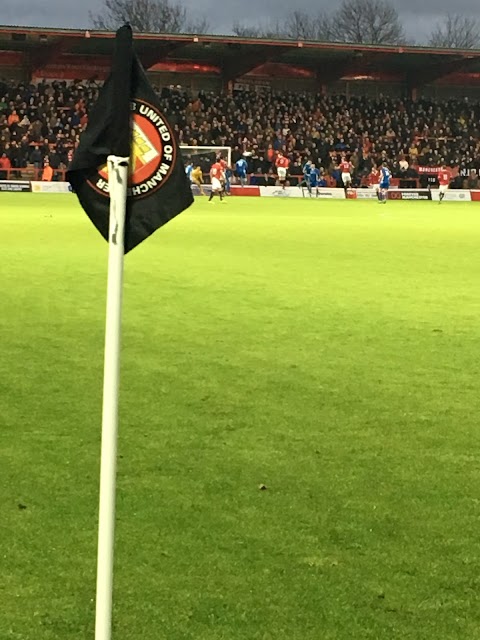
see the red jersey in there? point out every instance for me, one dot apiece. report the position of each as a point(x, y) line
point(282, 161)
point(216, 171)
point(345, 166)
point(374, 177)
point(444, 177)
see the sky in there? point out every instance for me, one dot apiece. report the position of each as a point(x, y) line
point(418, 16)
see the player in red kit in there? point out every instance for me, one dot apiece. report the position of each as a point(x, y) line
point(282, 163)
point(346, 168)
point(374, 178)
point(225, 182)
point(216, 177)
point(444, 177)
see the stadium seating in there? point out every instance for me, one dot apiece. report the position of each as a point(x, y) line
point(44, 121)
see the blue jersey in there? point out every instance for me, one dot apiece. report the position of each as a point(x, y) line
point(385, 177)
point(188, 170)
point(314, 177)
point(307, 168)
point(241, 166)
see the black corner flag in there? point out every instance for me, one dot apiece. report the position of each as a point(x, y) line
point(127, 121)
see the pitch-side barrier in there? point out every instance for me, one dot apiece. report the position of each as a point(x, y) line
point(323, 193)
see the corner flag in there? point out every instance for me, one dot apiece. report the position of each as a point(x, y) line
point(129, 178)
point(127, 122)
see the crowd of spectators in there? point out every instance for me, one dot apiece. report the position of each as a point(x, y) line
point(41, 123)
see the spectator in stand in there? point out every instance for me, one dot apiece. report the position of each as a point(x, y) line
point(5, 165)
point(47, 174)
point(472, 182)
point(36, 158)
point(14, 153)
point(271, 155)
point(403, 166)
point(52, 115)
point(409, 179)
point(12, 119)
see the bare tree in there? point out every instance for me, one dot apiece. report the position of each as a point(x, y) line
point(201, 25)
point(147, 16)
point(357, 21)
point(302, 26)
point(297, 26)
point(274, 30)
point(246, 31)
point(367, 22)
point(456, 32)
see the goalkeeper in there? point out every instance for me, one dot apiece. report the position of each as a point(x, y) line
point(196, 176)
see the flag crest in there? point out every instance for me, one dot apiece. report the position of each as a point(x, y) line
point(127, 121)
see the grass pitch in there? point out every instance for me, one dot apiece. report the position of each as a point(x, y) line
point(328, 350)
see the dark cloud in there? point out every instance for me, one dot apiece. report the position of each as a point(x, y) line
point(46, 13)
point(418, 16)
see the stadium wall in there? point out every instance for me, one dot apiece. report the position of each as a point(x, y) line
point(310, 85)
point(367, 88)
point(249, 82)
point(194, 83)
point(449, 92)
point(71, 66)
point(349, 88)
point(323, 193)
point(12, 66)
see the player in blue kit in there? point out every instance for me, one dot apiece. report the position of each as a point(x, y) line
point(314, 178)
point(311, 178)
point(385, 177)
point(307, 167)
point(241, 170)
point(188, 169)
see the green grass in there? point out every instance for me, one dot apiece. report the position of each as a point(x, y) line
point(329, 350)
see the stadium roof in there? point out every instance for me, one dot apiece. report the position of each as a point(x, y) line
point(232, 57)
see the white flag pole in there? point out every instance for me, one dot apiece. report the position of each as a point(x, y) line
point(117, 181)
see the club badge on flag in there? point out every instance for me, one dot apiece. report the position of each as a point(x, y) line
point(127, 121)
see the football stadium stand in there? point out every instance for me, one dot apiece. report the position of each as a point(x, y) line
point(411, 127)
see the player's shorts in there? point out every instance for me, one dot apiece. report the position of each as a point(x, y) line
point(241, 174)
point(346, 178)
point(443, 188)
point(282, 173)
point(384, 185)
point(196, 181)
point(375, 187)
point(216, 184)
